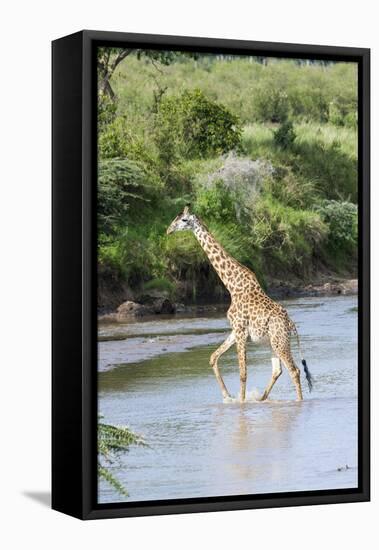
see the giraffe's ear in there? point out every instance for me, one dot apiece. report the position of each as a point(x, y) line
point(186, 210)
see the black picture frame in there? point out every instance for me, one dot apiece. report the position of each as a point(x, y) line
point(74, 336)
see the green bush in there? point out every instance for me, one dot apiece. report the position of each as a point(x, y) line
point(161, 284)
point(291, 189)
point(113, 140)
point(191, 125)
point(334, 172)
point(310, 102)
point(122, 185)
point(271, 104)
point(135, 254)
point(289, 239)
point(215, 203)
point(343, 111)
point(106, 111)
point(109, 256)
point(285, 135)
point(342, 221)
point(118, 140)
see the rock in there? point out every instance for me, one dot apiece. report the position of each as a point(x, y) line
point(341, 287)
point(162, 305)
point(157, 302)
point(345, 287)
point(130, 309)
point(152, 307)
point(334, 288)
point(350, 286)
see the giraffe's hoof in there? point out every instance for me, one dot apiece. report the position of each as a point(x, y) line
point(262, 398)
point(228, 399)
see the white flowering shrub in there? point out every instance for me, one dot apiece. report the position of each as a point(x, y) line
point(235, 185)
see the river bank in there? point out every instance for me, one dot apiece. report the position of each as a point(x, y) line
point(160, 303)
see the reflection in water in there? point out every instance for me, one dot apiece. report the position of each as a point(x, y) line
point(200, 446)
point(252, 437)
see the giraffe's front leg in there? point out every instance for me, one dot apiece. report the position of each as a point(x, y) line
point(241, 337)
point(214, 359)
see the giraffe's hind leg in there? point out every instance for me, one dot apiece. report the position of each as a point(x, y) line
point(216, 356)
point(281, 345)
point(294, 373)
point(276, 372)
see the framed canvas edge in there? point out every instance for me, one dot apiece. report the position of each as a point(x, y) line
point(89, 508)
point(195, 42)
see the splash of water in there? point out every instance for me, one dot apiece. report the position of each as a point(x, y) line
point(252, 396)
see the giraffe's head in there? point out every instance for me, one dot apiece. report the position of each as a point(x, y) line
point(183, 222)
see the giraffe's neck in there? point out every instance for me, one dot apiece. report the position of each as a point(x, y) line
point(231, 272)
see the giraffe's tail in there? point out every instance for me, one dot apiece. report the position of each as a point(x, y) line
point(308, 375)
point(307, 372)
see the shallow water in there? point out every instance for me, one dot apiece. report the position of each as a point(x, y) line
point(156, 379)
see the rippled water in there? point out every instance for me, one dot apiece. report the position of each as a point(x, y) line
point(155, 378)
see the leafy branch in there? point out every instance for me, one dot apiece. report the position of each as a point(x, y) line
point(111, 441)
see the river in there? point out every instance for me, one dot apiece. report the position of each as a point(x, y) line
point(154, 377)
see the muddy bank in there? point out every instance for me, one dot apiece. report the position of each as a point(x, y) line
point(143, 339)
point(162, 304)
point(330, 287)
point(128, 351)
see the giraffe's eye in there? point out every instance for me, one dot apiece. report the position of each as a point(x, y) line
point(184, 220)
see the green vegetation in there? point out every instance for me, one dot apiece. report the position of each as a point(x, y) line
point(111, 441)
point(265, 151)
point(285, 135)
point(192, 126)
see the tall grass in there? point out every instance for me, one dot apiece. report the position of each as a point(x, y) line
point(258, 138)
point(328, 134)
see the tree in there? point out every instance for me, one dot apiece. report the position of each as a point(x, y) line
point(108, 59)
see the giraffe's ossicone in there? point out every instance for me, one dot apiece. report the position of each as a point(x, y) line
point(251, 312)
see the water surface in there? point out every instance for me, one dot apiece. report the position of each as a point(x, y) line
point(155, 377)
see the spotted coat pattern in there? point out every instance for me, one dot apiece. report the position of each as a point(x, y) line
point(251, 312)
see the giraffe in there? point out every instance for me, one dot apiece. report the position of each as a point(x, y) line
point(251, 313)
